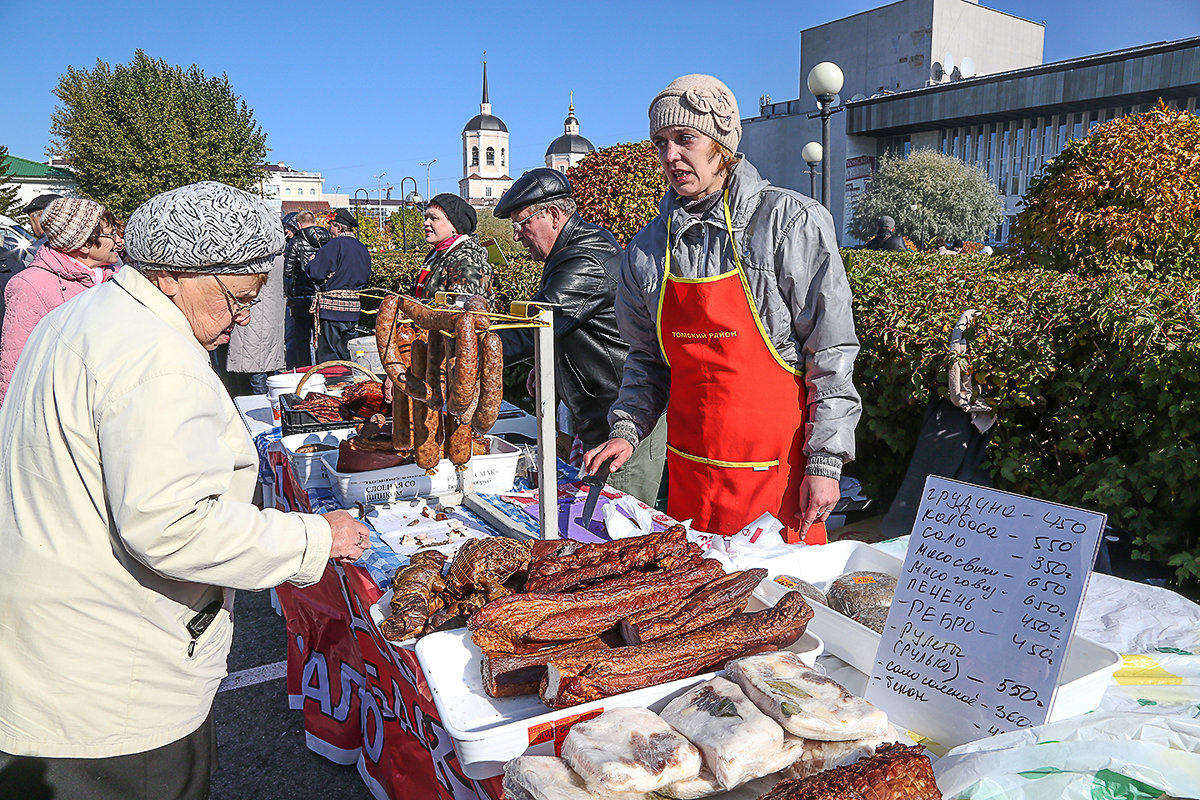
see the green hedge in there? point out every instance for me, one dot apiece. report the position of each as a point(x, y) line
point(1095, 382)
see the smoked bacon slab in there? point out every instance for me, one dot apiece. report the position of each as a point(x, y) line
point(558, 566)
point(511, 623)
point(575, 679)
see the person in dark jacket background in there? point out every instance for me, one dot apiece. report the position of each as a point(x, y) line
point(339, 271)
point(457, 261)
point(886, 238)
point(307, 237)
point(582, 266)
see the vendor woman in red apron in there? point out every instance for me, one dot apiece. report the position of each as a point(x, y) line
point(736, 308)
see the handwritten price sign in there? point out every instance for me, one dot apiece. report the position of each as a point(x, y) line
point(984, 610)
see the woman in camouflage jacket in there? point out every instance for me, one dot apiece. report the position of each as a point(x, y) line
point(457, 262)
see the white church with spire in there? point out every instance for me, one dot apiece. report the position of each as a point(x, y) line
point(485, 154)
point(569, 149)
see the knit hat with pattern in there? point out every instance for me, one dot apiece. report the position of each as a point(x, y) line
point(69, 222)
point(205, 227)
point(701, 102)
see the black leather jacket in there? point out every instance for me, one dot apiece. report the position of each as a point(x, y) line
point(296, 282)
point(580, 275)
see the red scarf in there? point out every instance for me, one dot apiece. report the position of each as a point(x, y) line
point(445, 244)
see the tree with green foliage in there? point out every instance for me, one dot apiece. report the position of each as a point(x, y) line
point(8, 190)
point(134, 130)
point(368, 230)
point(619, 187)
point(407, 222)
point(929, 195)
point(1125, 198)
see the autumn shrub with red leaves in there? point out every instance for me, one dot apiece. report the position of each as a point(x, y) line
point(619, 187)
point(1124, 199)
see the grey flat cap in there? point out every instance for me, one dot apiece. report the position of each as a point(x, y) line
point(205, 227)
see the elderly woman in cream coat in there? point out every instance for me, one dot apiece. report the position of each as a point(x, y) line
point(125, 521)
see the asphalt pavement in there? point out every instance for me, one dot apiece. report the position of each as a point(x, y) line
point(261, 754)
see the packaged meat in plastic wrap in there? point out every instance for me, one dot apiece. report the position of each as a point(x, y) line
point(629, 750)
point(817, 756)
point(735, 739)
point(804, 702)
point(549, 778)
point(856, 593)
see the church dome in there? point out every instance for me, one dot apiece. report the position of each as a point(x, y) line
point(485, 122)
point(570, 144)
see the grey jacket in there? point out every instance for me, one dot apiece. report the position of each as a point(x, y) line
point(258, 345)
point(789, 252)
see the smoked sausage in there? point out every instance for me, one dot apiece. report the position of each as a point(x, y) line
point(491, 382)
point(402, 431)
point(458, 442)
point(463, 392)
point(431, 319)
point(435, 369)
point(385, 327)
point(427, 436)
point(479, 303)
point(412, 381)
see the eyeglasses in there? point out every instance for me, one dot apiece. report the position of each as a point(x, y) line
point(518, 224)
point(237, 308)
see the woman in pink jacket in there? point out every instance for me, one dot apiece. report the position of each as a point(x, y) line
point(78, 254)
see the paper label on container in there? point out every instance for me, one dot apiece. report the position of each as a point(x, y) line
point(984, 609)
point(556, 730)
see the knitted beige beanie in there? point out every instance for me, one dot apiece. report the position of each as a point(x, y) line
point(701, 102)
point(69, 222)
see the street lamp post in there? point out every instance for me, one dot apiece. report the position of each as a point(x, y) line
point(812, 154)
point(404, 209)
point(379, 193)
point(427, 165)
point(825, 81)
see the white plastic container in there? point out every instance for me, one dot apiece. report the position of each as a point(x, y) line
point(488, 731)
point(1086, 671)
point(308, 467)
point(494, 473)
point(286, 383)
point(365, 351)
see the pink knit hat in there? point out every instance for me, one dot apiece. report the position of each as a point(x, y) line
point(69, 222)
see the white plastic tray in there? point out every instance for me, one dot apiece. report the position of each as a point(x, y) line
point(488, 731)
point(308, 467)
point(1086, 670)
point(494, 473)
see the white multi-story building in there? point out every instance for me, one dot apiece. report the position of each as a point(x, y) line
point(281, 183)
point(33, 178)
point(485, 155)
point(963, 79)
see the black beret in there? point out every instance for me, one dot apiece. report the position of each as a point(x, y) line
point(457, 210)
point(344, 218)
point(535, 186)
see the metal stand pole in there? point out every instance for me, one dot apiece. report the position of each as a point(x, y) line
point(547, 438)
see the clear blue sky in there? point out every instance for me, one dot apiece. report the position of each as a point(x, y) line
point(357, 88)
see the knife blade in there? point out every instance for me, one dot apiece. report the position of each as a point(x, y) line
point(595, 484)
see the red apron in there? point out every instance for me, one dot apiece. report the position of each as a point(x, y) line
point(735, 418)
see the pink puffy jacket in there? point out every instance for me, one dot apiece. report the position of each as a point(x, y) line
point(51, 280)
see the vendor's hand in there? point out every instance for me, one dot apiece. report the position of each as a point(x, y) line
point(531, 383)
point(818, 496)
point(387, 387)
point(618, 449)
point(350, 537)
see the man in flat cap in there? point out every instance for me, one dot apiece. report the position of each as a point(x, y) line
point(125, 514)
point(340, 270)
point(34, 211)
point(582, 265)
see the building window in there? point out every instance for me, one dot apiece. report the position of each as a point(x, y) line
point(490, 154)
point(562, 169)
point(474, 156)
point(288, 191)
point(487, 191)
point(312, 192)
point(503, 163)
